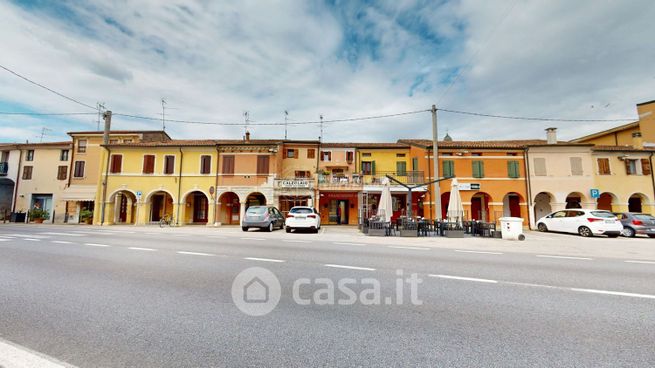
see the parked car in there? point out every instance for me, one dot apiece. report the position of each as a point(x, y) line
point(583, 222)
point(266, 218)
point(301, 217)
point(637, 223)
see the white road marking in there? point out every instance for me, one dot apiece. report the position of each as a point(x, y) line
point(404, 247)
point(476, 251)
point(97, 245)
point(196, 253)
point(61, 242)
point(139, 248)
point(31, 239)
point(31, 236)
point(349, 267)
point(264, 259)
point(641, 262)
point(1, 240)
point(252, 238)
point(296, 241)
point(563, 257)
point(13, 355)
point(61, 234)
point(617, 293)
point(355, 244)
point(465, 278)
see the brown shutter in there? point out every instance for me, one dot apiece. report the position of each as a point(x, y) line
point(116, 164)
point(169, 166)
point(148, 164)
point(645, 166)
point(262, 165)
point(62, 172)
point(205, 164)
point(296, 154)
point(627, 167)
point(228, 165)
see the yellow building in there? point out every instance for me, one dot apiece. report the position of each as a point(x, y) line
point(623, 135)
point(296, 184)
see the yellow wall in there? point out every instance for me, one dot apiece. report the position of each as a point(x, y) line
point(301, 163)
point(620, 184)
point(620, 138)
point(646, 113)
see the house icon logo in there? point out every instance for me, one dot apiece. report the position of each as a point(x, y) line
point(256, 291)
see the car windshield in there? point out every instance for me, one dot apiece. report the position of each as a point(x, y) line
point(256, 210)
point(603, 214)
point(644, 217)
point(301, 210)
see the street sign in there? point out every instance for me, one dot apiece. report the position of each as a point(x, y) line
point(211, 190)
point(595, 193)
point(468, 186)
point(139, 194)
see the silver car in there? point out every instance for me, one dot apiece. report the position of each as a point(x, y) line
point(266, 218)
point(637, 223)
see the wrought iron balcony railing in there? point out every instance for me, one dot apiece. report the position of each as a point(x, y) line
point(4, 168)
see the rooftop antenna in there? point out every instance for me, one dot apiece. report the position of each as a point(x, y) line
point(163, 114)
point(286, 118)
point(320, 138)
point(43, 133)
point(246, 117)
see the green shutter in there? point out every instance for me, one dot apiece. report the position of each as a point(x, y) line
point(478, 169)
point(372, 167)
point(401, 168)
point(448, 169)
point(415, 164)
point(513, 169)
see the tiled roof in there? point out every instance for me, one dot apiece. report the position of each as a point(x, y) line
point(88, 132)
point(370, 145)
point(504, 144)
point(44, 144)
point(197, 143)
point(634, 124)
point(623, 148)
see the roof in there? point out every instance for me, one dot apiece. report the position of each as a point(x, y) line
point(623, 149)
point(634, 124)
point(369, 145)
point(645, 103)
point(197, 143)
point(45, 144)
point(500, 144)
point(100, 132)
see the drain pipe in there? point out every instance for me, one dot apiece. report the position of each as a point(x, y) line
point(18, 172)
point(179, 189)
point(528, 185)
point(652, 177)
point(218, 161)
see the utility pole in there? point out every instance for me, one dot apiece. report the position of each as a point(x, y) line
point(246, 118)
point(320, 138)
point(435, 164)
point(163, 114)
point(105, 142)
point(286, 117)
point(43, 133)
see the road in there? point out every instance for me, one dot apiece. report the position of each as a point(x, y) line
point(150, 297)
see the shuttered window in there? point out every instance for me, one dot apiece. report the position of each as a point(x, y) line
point(604, 166)
point(645, 166)
point(513, 169)
point(262, 165)
point(311, 153)
point(27, 173)
point(62, 172)
point(576, 166)
point(78, 170)
point(205, 164)
point(401, 168)
point(228, 165)
point(149, 164)
point(540, 166)
point(478, 169)
point(367, 168)
point(169, 165)
point(350, 157)
point(448, 169)
point(631, 167)
point(116, 164)
point(414, 163)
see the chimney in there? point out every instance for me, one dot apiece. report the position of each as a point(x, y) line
point(551, 135)
point(247, 137)
point(637, 141)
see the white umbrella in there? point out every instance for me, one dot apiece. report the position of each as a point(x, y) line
point(455, 207)
point(385, 207)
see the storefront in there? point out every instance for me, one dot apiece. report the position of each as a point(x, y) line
point(338, 208)
point(399, 203)
point(294, 192)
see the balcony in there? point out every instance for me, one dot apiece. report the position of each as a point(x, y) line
point(339, 181)
point(407, 177)
point(4, 168)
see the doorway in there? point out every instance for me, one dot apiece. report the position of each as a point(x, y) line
point(200, 208)
point(339, 211)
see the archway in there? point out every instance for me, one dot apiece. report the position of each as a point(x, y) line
point(512, 205)
point(480, 206)
point(542, 205)
point(196, 208)
point(255, 199)
point(6, 197)
point(229, 208)
point(605, 201)
point(574, 200)
point(445, 200)
point(124, 207)
point(160, 205)
point(636, 202)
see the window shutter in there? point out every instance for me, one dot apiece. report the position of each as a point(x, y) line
point(262, 165)
point(540, 166)
point(401, 168)
point(627, 167)
point(228, 165)
point(513, 169)
point(414, 164)
point(62, 172)
point(478, 169)
point(148, 164)
point(448, 169)
point(603, 166)
point(116, 164)
point(645, 166)
point(372, 167)
point(576, 166)
point(169, 165)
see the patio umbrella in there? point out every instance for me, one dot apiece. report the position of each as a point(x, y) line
point(455, 211)
point(385, 207)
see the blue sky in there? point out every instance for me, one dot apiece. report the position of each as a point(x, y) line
point(212, 61)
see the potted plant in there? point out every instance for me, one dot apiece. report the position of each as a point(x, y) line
point(86, 216)
point(38, 215)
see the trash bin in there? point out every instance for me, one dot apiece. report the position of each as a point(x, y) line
point(512, 228)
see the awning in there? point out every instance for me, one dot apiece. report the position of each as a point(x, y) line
point(79, 193)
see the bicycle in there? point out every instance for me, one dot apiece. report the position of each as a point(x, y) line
point(166, 220)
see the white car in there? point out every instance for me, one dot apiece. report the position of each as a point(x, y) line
point(301, 217)
point(581, 221)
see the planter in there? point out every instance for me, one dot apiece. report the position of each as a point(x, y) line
point(38, 220)
point(413, 233)
point(377, 232)
point(88, 221)
point(454, 233)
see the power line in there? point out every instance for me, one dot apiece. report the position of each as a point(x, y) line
point(46, 88)
point(530, 118)
point(46, 113)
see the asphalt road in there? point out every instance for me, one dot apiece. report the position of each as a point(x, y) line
point(150, 297)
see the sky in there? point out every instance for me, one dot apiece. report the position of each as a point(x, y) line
point(214, 60)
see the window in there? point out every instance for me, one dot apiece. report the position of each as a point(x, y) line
point(113, 141)
point(631, 167)
point(414, 163)
point(81, 146)
point(63, 155)
point(29, 155)
point(311, 153)
point(205, 164)
point(291, 153)
point(476, 154)
point(27, 173)
point(62, 172)
point(576, 166)
point(350, 156)
point(401, 168)
point(301, 174)
point(263, 164)
point(513, 169)
point(645, 166)
point(478, 169)
point(116, 164)
point(326, 155)
point(127, 141)
point(228, 165)
point(368, 167)
point(539, 166)
point(448, 168)
point(604, 166)
point(511, 153)
point(366, 154)
point(149, 164)
point(400, 155)
point(169, 164)
point(78, 170)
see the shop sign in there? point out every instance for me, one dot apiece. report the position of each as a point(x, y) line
point(293, 183)
point(468, 186)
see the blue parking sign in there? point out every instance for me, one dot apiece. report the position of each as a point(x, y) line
point(595, 193)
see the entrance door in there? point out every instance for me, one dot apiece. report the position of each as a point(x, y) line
point(514, 206)
point(157, 206)
point(342, 212)
point(476, 208)
point(199, 208)
point(122, 215)
point(44, 202)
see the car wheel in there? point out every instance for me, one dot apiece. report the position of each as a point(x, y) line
point(542, 227)
point(244, 228)
point(288, 229)
point(270, 228)
point(628, 232)
point(585, 231)
point(651, 235)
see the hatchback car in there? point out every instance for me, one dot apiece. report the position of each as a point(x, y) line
point(266, 218)
point(637, 223)
point(301, 217)
point(581, 221)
